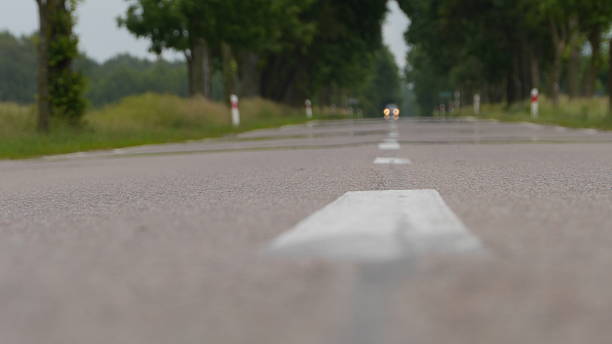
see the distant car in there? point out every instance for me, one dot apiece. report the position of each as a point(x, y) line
point(391, 110)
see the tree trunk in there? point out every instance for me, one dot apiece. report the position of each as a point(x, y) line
point(535, 70)
point(559, 40)
point(555, 79)
point(573, 71)
point(229, 71)
point(525, 69)
point(516, 77)
point(610, 81)
point(199, 68)
point(249, 74)
point(190, 82)
point(44, 106)
point(595, 63)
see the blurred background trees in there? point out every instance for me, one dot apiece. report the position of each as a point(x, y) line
point(331, 51)
point(504, 48)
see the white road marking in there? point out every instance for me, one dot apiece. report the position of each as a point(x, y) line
point(378, 226)
point(393, 134)
point(391, 161)
point(389, 146)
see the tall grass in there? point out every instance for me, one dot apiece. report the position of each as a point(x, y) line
point(576, 113)
point(136, 120)
point(16, 119)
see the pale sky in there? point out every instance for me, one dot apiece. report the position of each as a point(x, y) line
point(102, 39)
point(393, 33)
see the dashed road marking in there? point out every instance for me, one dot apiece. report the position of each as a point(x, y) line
point(391, 161)
point(378, 226)
point(389, 146)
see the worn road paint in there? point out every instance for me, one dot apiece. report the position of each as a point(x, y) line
point(389, 146)
point(378, 226)
point(391, 161)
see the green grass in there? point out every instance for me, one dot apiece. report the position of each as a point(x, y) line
point(575, 113)
point(138, 120)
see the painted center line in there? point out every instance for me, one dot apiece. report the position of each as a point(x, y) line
point(391, 161)
point(389, 146)
point(378, 226)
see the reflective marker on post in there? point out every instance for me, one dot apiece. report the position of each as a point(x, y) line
point(235, 111)
point(308, 108)
point(534, 103)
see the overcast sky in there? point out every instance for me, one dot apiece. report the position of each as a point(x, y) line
point(101, 38)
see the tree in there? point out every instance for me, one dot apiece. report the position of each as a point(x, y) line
point(504, 47)
point(337, 59)
point(17, 68)
point(60, 88)
point(167, 26)
point(210, 30)
point(383, 84)
point(595, 17)
point(124, 75)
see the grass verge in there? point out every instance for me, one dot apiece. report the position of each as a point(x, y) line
point(575, 113)
point(137, 120)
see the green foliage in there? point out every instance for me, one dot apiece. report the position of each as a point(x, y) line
point(383, 85)
point(17, 69)
point(301, 48)
point(337, 60)
point(124, 75)
point(502, 48)
point(66, 86)
point(107, 82)
point(427, 80)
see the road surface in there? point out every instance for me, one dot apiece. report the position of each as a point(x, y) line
point(427, 231)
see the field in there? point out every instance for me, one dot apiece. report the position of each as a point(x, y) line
point(575, 113)
point(137, 120)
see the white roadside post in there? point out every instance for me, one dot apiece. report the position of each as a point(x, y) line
point(477, 104)
point(534, 103)
point(235, 111)
point(308, 108)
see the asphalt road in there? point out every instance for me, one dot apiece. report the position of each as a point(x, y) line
point(172, 243)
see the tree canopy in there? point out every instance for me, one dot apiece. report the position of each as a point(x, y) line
point(504, 48)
